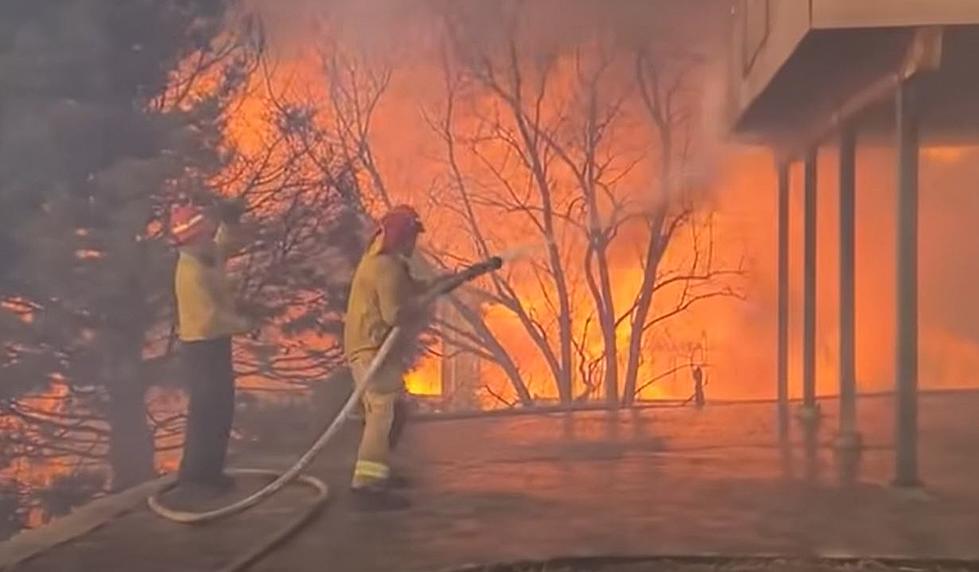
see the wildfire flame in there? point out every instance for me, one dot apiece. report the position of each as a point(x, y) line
point(737, 338)
point(734, 340)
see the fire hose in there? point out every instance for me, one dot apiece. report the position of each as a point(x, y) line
point(295, 472)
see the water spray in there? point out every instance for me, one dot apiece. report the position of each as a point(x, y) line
point(523, 251)
point(295, 473)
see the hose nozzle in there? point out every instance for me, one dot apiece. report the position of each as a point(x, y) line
point(469, 274)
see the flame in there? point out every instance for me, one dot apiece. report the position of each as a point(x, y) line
point(425, 378)
point(737, 338)
point(19, 307)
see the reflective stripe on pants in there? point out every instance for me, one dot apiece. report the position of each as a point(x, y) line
point(379, 406)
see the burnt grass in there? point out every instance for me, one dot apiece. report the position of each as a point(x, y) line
point(731, 565)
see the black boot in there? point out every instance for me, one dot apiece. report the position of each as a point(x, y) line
point(398, 482)
point(195, 494)
point(220, 484)
point(212, 486)
point(377, 499)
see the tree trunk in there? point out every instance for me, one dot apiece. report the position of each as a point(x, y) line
point(565, 389)
point(601, 291)
point(608, 333)
point(655, 248)
point(131, 446)
point(641, 312)
point(565, 326)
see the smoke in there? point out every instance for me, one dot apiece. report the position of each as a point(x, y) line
point(394, 26)
point(377, 27)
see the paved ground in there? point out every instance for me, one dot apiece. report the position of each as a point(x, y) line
point(653, 482)
point(736, 565)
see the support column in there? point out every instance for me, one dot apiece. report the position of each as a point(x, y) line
point(849, 437)
point(783, 300)
point(810, 410)
point(907, 288)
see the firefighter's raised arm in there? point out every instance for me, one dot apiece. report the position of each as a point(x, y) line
point(230, 237)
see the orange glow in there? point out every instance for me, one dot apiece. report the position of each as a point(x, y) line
point(426, 378)
point(735, 337)
point(23, 309)
point(89, 254)
point(944, 154)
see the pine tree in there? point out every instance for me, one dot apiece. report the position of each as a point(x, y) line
point(87, 167)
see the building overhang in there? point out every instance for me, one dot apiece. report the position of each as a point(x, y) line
point(823, 62)
point(848, 14)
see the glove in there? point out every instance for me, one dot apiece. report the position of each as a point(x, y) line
point(411, 315)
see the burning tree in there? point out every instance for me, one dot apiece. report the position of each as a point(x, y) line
point(584, 145)
point(305, 196)
point(544, 141)
point(667, 82)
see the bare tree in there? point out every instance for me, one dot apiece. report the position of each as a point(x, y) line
point(482, 336)
point(553, 159)
point(355, 88)
point(592, 159)
point(668, 93)
point(516, 125)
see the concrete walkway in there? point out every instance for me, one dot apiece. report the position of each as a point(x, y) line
point(652, 482)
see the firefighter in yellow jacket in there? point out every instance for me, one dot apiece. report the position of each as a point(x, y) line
point(207, 321)
point(383, 294)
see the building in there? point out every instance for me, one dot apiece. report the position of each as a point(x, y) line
point(810, 73)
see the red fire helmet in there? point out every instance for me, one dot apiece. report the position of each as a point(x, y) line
point(400, 225)
point(188, 223)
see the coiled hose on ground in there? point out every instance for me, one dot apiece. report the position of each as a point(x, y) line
point(295, 472)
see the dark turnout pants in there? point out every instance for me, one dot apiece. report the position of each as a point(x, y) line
point(211, 380)
point(401, 415)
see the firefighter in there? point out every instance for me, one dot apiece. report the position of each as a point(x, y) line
point(207, 321)
point(383, 294)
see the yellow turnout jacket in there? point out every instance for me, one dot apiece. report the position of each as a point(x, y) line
point(205, 294)
point(382, 288)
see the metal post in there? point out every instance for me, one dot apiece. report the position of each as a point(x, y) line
point(783, 300)
point(907, 288)
point(848, 436)
point(810, 410)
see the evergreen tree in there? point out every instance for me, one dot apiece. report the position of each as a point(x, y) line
point(88, 165)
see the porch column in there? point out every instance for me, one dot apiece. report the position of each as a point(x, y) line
point(907, 288)
point(810, 410)
point(848, 437)
point(783, 300)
